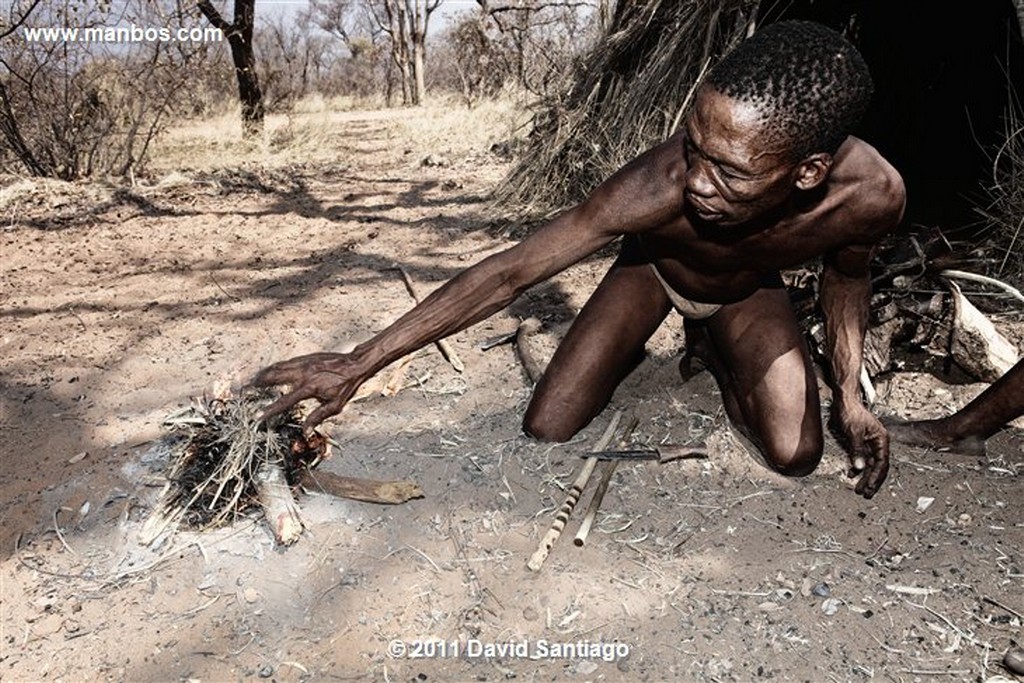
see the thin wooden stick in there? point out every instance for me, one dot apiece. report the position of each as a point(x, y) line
point(973, 277)
point(602, 487)
point(595, 503)
point(442, 344)
point(546, 543)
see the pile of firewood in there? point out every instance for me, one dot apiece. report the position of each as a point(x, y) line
point(227, 462)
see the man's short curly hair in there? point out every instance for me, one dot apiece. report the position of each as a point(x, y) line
point(811, 84)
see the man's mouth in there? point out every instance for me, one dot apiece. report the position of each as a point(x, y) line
point(703, 211)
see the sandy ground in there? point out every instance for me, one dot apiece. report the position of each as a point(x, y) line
point(119, 306)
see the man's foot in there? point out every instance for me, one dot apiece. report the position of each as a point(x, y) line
point(699, 354)
point(933, 434)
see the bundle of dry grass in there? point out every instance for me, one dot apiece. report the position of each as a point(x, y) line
point(630, 93)
point(228, 461)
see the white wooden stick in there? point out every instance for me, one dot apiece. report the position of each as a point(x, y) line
point(562, 516)
point(278, 503)
point(974, 277)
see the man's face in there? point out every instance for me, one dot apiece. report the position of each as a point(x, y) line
point(735, 174)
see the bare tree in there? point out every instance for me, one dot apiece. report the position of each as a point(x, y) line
point(239, 34)
point(70, 109)
point(293, 58)
point(16, 18)
point(406, 22)
point(355, 25)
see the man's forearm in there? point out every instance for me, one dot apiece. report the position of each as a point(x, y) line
point(464, 300)
point(486, 288)
point(846, 302)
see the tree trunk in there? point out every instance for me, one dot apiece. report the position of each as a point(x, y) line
point(11, 132)
point(239, 35)
point(418, 36)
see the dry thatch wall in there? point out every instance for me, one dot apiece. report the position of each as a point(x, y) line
point(629, 94)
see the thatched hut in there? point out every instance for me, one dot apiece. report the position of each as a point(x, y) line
point(943, 93)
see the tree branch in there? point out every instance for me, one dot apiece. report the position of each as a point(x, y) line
point(211, 13)
point(14, 26)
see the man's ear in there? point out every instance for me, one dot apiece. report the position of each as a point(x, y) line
point(813, 170)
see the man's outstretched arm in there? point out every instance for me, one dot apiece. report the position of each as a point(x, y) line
point(641, 195)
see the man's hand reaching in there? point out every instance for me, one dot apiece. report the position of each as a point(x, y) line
point(330, 378)
point(868, 444)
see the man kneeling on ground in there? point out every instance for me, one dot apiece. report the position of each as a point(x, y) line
point(765, 176)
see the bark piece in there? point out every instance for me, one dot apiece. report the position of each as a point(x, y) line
point(367, 490)
point(977, 346)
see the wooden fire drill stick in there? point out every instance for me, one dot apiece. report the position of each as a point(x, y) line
point(602, 488)
point(575, 491)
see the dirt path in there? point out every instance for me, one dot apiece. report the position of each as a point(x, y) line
point(118, 309)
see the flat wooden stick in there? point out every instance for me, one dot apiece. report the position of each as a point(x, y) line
point(595, 503)
point(562, 516)
point(368, 490)
point(442, 344)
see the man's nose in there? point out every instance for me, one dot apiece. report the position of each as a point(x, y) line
point(698, 180)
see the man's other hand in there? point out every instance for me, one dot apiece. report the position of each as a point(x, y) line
point(867, 441)
point(330, 378)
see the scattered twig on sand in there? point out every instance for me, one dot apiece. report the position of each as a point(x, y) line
point(226, 292)
point(541, 554)
point(442, 344)
point(938, 672)
point(1003, 607)
point(532, 366)
point(956, 629)
point(60, 535)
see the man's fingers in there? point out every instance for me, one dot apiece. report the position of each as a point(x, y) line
point(285, 403)
point(873, 479)
point(320, 414)
point(273, 376)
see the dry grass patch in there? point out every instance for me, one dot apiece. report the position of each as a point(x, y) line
point(216, 143)
point(446, 126)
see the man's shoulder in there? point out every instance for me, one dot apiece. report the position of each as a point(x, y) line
point(646, 191)
point(879, 193)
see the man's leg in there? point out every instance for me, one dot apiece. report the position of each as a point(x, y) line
point(967, 429)
point(604, 343)
point(767, 381)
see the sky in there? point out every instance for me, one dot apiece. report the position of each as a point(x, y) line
point(447, 8)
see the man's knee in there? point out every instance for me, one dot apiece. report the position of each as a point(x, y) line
point(796, 459)
point(545, 429)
